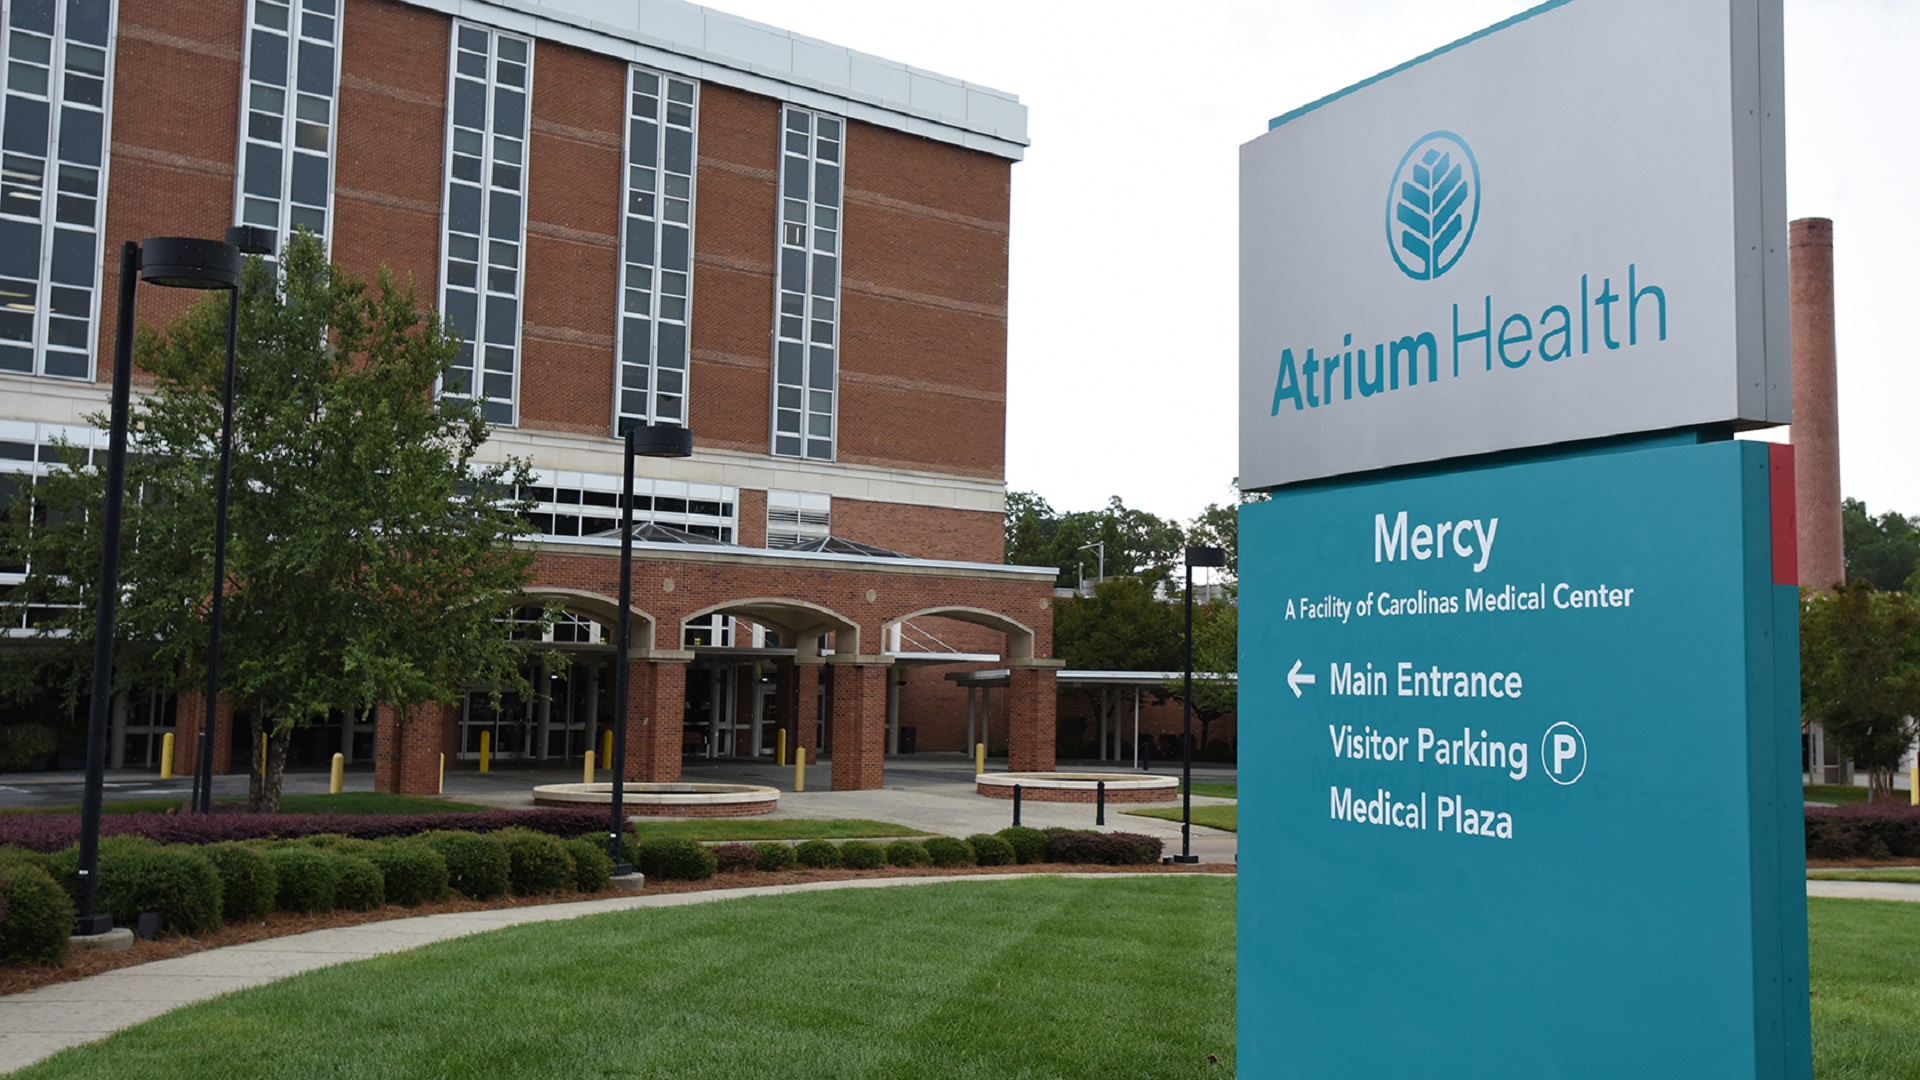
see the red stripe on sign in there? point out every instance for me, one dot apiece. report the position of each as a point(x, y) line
point(1786, 529)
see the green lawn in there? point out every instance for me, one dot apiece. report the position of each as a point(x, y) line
point(1866, 989)
point(1218, 791)
point(1215, 817)
point(1836, 794)
point(347, 802)
point(1905, 875)
point(1041, 977)
point(747, 829)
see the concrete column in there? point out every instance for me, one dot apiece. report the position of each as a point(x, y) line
point(656, 707)
point(1031, 701)
point(117, 733)
point(859, 721)
point(1816, 405)
point(189, 710)
point(407, 745)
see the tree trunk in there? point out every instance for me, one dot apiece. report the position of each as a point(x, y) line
point(1879, 785)
point(263, 792)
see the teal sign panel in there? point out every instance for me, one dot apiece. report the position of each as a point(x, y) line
point(1519, 773)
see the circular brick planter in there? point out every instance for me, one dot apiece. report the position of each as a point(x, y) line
point(667, 800)
point(1077, 787)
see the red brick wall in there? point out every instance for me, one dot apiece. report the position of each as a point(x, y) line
point(733, 238)
point(925, 532)
point(390, 146)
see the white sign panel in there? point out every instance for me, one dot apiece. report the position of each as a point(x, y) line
point(1569, 226)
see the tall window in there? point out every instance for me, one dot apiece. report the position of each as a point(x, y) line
point(53, 123)
point(808, 286)
point(485, 207)
point(656, 250)
point(286, 131)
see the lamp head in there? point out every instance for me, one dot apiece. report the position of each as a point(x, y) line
point(1198, 557)
point(251, 239)
point(185, 262)
point(659, 440)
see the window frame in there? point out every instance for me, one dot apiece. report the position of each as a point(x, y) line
point(620, 416)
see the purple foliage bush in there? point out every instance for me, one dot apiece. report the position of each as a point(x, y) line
point(1110, 849)
point(1878, 831)
point(51, 832)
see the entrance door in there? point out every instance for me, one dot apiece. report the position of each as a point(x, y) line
point(509, 727)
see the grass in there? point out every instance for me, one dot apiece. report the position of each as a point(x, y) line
point(748, 830)
point(1217, 790)
point(1905, 875)
point(1836, 794)
point(1213, 817)
point(1039, 977)
point(347, 802)
point(1866, 989)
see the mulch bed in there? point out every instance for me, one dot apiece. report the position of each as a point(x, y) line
point(79, 964)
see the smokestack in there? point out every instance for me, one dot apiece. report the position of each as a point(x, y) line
point(1816, 405)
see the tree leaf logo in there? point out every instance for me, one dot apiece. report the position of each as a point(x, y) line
point(1433, 205)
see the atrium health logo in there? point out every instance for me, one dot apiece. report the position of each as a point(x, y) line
point(1433, 205)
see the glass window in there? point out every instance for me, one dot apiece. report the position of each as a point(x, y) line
point(656, 249)
point(286, 135)
point(807, 269)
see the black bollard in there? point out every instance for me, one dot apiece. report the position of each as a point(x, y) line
point(1100, 803)
point(1016, 804)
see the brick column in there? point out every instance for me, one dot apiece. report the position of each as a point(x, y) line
point(407, 744)
point(656, 706)
point(1816, 405)
point(189, 711)
point(1031, 702)
point(806, 709)
point(859, 724)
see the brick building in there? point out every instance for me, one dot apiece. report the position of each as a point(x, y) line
point(638, 211)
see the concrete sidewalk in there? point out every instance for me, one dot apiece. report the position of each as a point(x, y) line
point(1865, 890)
point(43, 1022)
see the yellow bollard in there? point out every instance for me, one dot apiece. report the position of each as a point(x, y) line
point(799, 768)
point(979, 758)
point(1913, 784)
point(780, 748)
point(486, 749)
point(442, 789)
point(264, 740)
point(339, 782)
point(586, 771)
point(606, 749)
point(166, 756)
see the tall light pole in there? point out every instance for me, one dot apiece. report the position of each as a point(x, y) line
point(1195, 556)
point(641, 440)
point(247, 240)
point(1100, 574)
point(174, 262)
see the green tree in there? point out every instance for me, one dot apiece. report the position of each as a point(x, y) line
point(1860, 674)
point(1219, 526)
point(1216, 657)
point(1883, 549)
point(1135, 542)
point(371, 557)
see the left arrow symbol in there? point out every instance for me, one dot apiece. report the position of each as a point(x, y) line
point(1295, 679)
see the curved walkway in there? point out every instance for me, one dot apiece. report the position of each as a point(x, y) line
point(43, 1022)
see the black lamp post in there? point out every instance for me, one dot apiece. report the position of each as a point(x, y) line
point(641, 440)
point(248, 240)
point(175, 262)
point(1196, 556)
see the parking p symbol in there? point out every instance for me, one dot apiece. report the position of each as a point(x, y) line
point(1564, 751)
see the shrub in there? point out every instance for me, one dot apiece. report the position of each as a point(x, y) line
point(26, 746)
point(947, 851)
point(675, 860)
point(1870, 831)
point(1110, 849)
point(537, 864)
point(247, 880)
point(1029, 845)
point(862, 855)
point(733, 858)
point(906, 853)
point(178, 882)
point(771, 856)
point(592, 868)
point(337, 842)
point(477, 866)
point(413, 873)
point(358, 884)
point(817, 855)
point(990, 850)
point(305, 878)
point(36, 915)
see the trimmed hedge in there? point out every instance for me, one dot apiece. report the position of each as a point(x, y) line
point(306, 878)
point(1110, 849)
point(358, 884)
point(990, 850)
point(906, 853)
point(537, 864)
point(477, 866)
point(817, 855)
point(36, 915)
point(733, 858)
point(771, 855)
point(414, 873)
point(947, 851)
point(675, 860)
point(1875, 831)
point(247, 880)
point(51, 832)
point(135, 876)
point(1029, 845)
point(592, 869)
point(862, 855)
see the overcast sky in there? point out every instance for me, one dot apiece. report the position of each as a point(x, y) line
point(1122, 320)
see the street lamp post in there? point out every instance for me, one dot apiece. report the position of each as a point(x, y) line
point(247, 240)
point(175, 262)
point(641, 440)
point(1100, 546)
point(1206, 557)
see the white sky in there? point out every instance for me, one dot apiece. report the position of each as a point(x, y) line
point(1123, 321)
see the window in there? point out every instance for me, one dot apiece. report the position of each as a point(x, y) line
point(288, 101)
point(53, 134)
point(29, 451)
point(570, 504)
point(488, 90)
point(794, 518)
point(807, 286)
point(656, 250)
